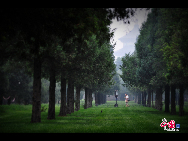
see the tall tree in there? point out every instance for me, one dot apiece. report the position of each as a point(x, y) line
point(63, 96)
point(167, 93)
point(51, 109)
point(77, 103)
point(36, 33)
point(173, 104)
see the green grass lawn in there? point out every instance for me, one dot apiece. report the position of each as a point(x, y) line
point(133, 119)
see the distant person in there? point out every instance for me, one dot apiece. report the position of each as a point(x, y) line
point(126, 100)
point(116, 94)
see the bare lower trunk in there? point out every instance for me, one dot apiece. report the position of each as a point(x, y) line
point(77, 103)
point(70, 97)
point(51, 110)
point(36, 98)
point(90, 98)
point(167, 93)
point(158, 101)
point(96, 99)
point(152, 98)
point(139, 97)
point(173, 105)
point(149, 98)
point(63, 97)
point(86, 98)
point(144, 98)
point(181, 101)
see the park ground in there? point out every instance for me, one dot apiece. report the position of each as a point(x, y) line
point(121, 119)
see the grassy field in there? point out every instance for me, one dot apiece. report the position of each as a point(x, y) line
point(133, 119)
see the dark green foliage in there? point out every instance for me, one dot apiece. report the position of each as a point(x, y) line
point(52, 42)
point(160, 56)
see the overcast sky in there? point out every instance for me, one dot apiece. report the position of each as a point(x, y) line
point(125, 34)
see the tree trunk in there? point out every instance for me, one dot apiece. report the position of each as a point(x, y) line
point(135, 100)
point(1, 99)
point(68, 101)
point(77, 103)
point(36, 98)
point(63, 97)
point(177, 97)
point(167, 93)
point(90, 98)
point(51, 110)
point(152, 99)
point(104, 99)
point(139, 97)
point(158, 101)
point(181, 100)
point(86, 98)
point(149, 98)
point(96, 99)
point(99, 98)
point(173, 105)
point(70, 97)
point(143, 98)
point(102, 96)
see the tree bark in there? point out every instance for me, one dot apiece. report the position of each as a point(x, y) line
point(99, 98)
point(36, 98)
point(70, 97)
point(63, 97)
point(1, 99)
point(152, 99)
point(167, 93)
point(158, 101)
point(139, 97)
point(51, 110)
point(96, 99)
point(135, 100)
point(86, 98)
point(149, 98)
point(181, 100)
point(77, 103)
point(90, 98)
point(143, 98)
point(173, 105)
point(102, 99)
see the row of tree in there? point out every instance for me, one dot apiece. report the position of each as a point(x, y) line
point(67, 45)
point(159, 62)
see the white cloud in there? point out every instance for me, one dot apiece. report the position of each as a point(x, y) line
point(119, 45)
point(121, 30)
point(129, 44)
